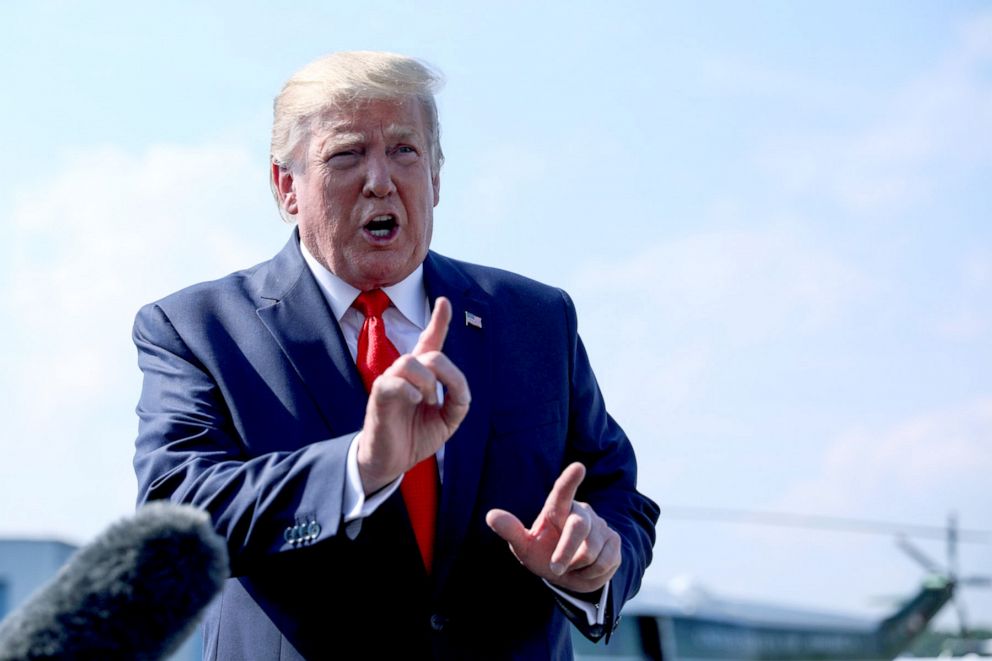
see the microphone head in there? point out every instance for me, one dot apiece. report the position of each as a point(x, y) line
point(135, 592)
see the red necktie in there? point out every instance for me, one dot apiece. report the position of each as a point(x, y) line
point(419, 487)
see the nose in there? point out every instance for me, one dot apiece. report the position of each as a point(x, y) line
point(378, 177)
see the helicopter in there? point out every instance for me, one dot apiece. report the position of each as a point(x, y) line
point(688, 624)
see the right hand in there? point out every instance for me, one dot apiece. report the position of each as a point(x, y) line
point(404, 422)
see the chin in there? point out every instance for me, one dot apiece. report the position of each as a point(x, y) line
point(378, 278)
point(389, 272)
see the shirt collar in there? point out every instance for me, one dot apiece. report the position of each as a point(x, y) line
point(408, 295)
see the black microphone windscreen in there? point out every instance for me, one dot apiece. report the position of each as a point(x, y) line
point(135, 592)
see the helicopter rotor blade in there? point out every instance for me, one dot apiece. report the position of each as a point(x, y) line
point(976, 581)
point(919, 556)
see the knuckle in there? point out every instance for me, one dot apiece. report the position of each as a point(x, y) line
point(383, 385)
point(584, 558)
point(402, 363)
point(580, 524)
point(432, 359)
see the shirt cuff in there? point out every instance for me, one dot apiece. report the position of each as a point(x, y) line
point(356, 505)
point(595, 612)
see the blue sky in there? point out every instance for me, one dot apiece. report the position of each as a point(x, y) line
point(774, 218)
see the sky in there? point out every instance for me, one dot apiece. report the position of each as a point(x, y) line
point(775, 219)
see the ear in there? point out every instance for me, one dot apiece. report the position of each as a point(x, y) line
point(436, 184)
point(284, 185)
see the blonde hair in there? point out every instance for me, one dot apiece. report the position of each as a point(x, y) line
point(347, 78)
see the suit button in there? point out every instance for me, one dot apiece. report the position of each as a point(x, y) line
point(288, 535)
point(438, 622)
point(313, 530)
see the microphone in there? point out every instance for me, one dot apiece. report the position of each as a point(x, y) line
point(135, 592)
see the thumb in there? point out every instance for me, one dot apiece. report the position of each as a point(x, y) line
point(508, 527)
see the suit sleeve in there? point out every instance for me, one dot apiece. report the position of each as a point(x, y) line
point(610, 485)
point(188, 451)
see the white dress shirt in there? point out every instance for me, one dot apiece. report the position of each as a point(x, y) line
point(404, 320)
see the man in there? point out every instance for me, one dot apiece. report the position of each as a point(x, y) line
point(408, 455)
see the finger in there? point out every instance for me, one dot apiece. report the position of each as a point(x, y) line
point(559, 503)
point(417, 374)
point(588, 552)
point(390, 388)
point(508, 527)
point(605, 565)
point(573, 535)
point(454, 411)
point(432, 339)
point(448, 374)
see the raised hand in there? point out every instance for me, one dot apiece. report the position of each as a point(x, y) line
point(404, 422)
point(569, 545)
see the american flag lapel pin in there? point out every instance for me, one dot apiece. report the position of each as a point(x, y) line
point(473, 320)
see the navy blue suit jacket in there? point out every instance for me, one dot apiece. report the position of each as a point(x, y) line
point(249, 402)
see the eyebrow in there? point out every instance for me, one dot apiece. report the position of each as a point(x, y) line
point(392, 132)
point(343, 138)
point(400, 132)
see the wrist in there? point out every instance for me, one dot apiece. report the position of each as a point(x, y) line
point(370, 474)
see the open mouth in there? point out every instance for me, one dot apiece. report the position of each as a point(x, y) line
point(382, 227)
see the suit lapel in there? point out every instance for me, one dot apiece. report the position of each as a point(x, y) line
point(468, 348)
point(294, 311)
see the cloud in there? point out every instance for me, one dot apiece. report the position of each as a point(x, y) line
point(925, 131)
point(90, 243)
point(738, 75)
point(678, 326)
point(929, 463)
point(498, 176)
point(965, 315)
point(747, 285)
point(912, 471)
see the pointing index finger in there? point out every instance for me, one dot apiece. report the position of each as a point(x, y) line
point(559, 503)
point(432, 339)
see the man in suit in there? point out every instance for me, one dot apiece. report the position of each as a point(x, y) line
point(408, 455)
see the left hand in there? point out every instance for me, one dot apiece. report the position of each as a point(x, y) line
point(404, 423)
point(569, 545)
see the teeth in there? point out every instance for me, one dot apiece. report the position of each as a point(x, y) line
point(381, 226)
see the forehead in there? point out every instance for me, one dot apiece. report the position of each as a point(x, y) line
point(392, 118)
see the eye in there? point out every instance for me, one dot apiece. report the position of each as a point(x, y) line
point(343, 158)
point(405, 153)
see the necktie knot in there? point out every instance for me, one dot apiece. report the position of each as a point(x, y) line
point(372, 303)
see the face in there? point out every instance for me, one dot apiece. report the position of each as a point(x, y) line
point(364, 198)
